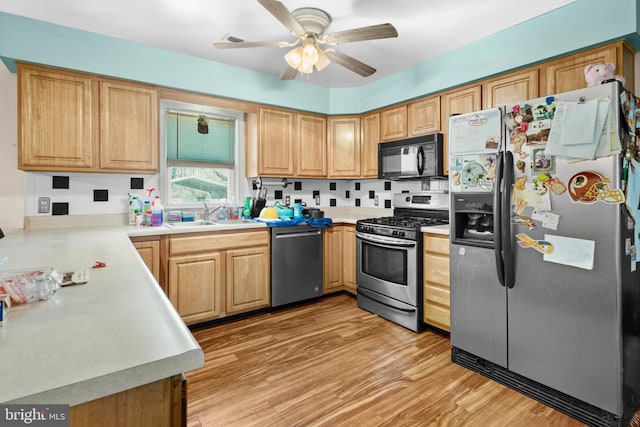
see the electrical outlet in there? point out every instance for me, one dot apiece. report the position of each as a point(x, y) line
point(318, 201)
point(287, 200)
point(44, 204)
point(375, 201)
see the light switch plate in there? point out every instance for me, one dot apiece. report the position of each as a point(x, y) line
point(44, 204)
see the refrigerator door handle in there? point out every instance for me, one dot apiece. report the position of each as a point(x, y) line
point(497, 220)
point(508, 180)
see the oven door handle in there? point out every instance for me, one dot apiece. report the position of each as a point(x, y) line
point(385, 241)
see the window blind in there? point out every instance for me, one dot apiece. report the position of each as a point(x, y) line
point(186, 144)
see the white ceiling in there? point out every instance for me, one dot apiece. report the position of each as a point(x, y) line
point(426, 28)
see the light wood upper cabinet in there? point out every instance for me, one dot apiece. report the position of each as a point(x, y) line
point(81, 123)
point(513, 87)
point(393, 123)
point(276, 142)
point(128, 127)
point(459, 101)
point(567, 73)
point(344, 146)
point(311, 144)
point(57, 122)
point(370, 141)
point(248, 280)
point(423, 116)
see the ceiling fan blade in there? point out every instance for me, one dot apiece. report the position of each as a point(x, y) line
point(289, 74)
point(373, 32)
point(236, 45)
point(282, 14)
point(349, 62)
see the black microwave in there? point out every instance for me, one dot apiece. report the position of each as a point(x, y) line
point(411, 158)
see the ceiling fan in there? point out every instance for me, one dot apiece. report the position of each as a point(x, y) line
point(308, 25)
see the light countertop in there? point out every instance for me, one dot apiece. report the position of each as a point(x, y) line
point(116, 332)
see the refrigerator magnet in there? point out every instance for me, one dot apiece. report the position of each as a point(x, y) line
point(543, 246)
point(542, 162)
point(523, 220)
point(555, 185)
point(590, 186)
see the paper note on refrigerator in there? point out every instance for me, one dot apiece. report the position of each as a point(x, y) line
point(570, 251)
point(579, 122)
point(568, 136)
point(478, 132)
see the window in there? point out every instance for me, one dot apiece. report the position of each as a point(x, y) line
point(201, 154)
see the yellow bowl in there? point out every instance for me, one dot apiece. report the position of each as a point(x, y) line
point(269, 213)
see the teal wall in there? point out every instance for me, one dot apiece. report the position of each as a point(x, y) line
point(578, 25)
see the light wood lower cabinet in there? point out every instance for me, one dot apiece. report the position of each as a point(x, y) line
point(149, 250)
point(436, 280)
point(332, 259)
point(195, 286)
point(349, 257)
point(340, 258)
point(158, 404)
point(212, 275)
point(245, 268)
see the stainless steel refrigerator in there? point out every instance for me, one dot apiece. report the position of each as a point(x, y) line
point(544, 289)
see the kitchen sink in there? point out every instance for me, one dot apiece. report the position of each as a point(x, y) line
point(189, 224)
point(232, 221)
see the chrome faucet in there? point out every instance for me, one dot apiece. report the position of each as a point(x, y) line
point(206, 215)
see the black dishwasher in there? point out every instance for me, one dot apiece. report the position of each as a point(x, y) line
point(296, 264)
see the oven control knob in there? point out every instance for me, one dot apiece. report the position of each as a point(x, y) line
point(401, 233)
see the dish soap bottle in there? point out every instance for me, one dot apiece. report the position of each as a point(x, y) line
point(246, 211)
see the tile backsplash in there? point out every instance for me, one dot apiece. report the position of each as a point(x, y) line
point(83, 193)
point(107, 193)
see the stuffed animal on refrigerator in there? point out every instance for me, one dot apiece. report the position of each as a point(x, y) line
point(596, 74)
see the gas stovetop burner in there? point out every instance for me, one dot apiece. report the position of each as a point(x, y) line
point(411, 212)
point(406, 222)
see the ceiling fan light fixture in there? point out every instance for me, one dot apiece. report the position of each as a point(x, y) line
point(294, 57)
point(323, 60)
point(305, 68)
point(310, 52)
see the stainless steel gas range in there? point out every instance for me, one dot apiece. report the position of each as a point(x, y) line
point(389, 257)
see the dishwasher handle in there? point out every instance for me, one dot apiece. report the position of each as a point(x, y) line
point(294, 234)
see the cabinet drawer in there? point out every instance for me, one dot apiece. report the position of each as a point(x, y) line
point(216, 241)
point(436, 269)
point(437, 316)
point(438, 244)
point(436, 294)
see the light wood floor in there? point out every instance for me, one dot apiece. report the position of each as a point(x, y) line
point(330, 363)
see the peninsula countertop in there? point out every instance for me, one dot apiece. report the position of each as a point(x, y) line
point(116, 332)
